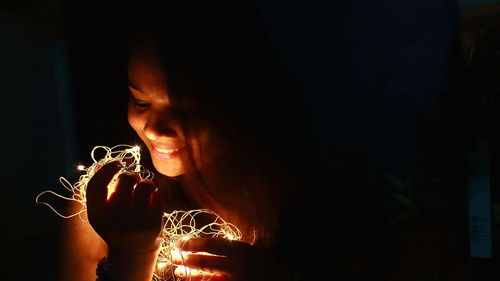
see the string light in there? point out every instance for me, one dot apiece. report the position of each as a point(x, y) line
point(129, 158)
point(178, 225)
point(182, 225)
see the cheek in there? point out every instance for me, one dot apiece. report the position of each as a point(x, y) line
point(136, 121)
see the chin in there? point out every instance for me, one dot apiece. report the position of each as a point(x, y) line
point(169, 169)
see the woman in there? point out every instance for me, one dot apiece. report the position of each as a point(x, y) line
point(219, 118)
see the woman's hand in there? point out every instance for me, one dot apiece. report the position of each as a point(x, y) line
point(228, 260)
point(129, 221)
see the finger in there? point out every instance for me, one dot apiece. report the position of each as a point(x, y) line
point(97, 191)
point(119, 199)
point(190, 274)
point(142, 195)
point(216, 246)
point(154, 213)
point(209, 264)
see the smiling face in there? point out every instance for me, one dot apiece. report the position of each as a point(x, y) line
point(152, 114)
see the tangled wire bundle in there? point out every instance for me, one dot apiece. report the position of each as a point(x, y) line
point(177, 225)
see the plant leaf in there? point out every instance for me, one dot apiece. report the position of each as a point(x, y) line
point(403, 200)
point(398, 183)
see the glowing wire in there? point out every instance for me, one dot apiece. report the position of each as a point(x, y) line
point(129, 158)
point(182, 225)
point(178, 225)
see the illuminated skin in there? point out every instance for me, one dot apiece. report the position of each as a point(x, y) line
point(129, 221)
point(150, 115)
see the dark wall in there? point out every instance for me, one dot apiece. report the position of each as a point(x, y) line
point(37, 138)
point(375, 78)
point(95, 33)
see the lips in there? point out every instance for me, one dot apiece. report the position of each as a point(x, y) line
point(166, 151)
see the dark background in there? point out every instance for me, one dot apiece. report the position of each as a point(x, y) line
point(385, 85)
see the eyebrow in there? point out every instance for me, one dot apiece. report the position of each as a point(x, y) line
point(131, 85)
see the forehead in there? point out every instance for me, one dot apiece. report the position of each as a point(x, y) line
point(146, 71)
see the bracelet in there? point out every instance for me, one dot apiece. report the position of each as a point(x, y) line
point(102, 270)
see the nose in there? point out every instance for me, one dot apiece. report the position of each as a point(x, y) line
point(161, 124)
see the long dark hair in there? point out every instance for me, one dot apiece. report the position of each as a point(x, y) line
point(238, 101)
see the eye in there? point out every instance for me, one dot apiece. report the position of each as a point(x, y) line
point(139, 104)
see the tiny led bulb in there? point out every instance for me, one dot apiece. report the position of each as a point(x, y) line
point(135, 148)
point(80, 167)
point(161, 265)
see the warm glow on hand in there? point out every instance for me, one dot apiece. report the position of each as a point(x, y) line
point(129, 158)
point(178, 226)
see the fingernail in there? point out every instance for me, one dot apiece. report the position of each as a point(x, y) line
point(180, 273)
point(177, 258)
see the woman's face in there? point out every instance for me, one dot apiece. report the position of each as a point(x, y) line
point(152, 115)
